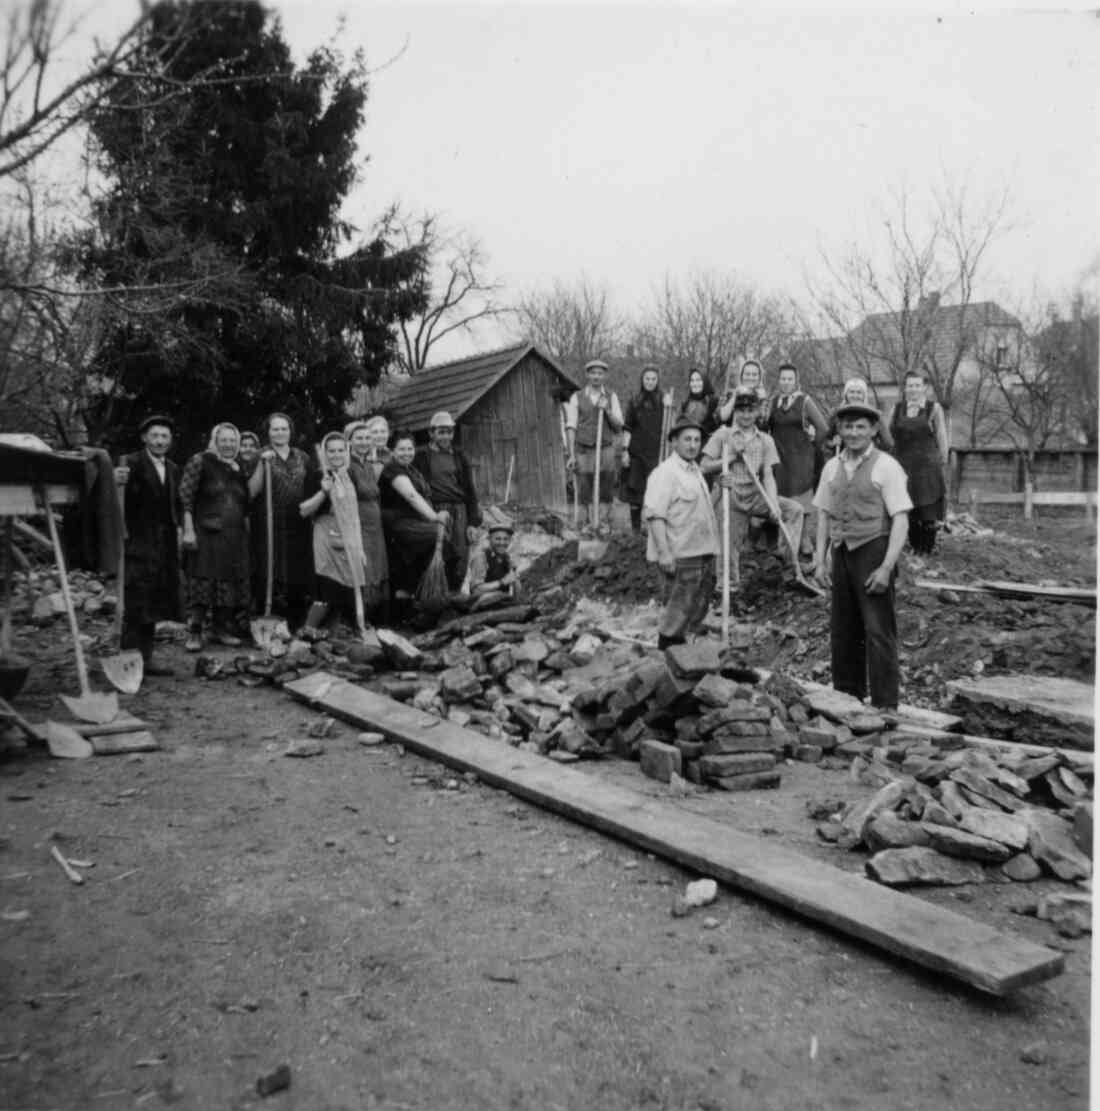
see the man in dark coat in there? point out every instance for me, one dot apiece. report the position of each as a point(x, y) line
point(448, 471)
point(152, 588)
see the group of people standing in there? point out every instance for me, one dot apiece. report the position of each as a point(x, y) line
point(351, 528)
point(780, 460)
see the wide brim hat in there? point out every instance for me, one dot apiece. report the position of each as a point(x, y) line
point(157, 418)
point(853, 410)
point(682, 425)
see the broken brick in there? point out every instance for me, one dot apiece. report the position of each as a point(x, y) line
point(920, 865)
point(694, 660)
point(659, 760)
point(968, 846)
point(753, 781)
point(714, 691)
point(718, 767)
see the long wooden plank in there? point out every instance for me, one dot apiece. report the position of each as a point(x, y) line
point(1039, 497)
point(898, 923)
point(1078, 594)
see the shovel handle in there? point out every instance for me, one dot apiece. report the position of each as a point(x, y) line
point(270, 538)
point(726, 546)
point(120, 587)
point(70, 612)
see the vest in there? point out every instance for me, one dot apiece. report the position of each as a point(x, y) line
point(222, 499)
point(587, 412)
point(859, 513)
point(496, 566)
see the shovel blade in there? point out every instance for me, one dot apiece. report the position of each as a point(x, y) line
point(266, 630)
point(96, 708)
point(66, 743)
point(125, 671)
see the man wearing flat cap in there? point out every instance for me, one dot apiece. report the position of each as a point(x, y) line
point(448, 471)
point(683, 533)
point(752, 452)
point(583, 413)
point(864, 503)
point(151, 592)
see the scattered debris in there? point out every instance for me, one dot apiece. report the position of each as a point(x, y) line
point(273, 1082)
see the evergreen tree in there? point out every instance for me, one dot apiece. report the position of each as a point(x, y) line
point(236, 286)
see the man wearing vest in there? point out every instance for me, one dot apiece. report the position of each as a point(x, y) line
point(582, 412)
point(683, 533)
point(865, 507)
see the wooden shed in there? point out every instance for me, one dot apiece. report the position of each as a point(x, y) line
point(505, 405)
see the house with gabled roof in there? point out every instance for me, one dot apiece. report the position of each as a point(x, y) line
point(509, 420)
point(945, 342)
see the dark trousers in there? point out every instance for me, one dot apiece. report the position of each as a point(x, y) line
point(690, 590)
point(138, 635)
point(864, 630)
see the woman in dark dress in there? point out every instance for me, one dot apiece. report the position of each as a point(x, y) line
point(214, 497)
point(361, 468)
point(642, 441)
point(920, 446)
point(701, 403)
point(409, 519)
point(292, 565)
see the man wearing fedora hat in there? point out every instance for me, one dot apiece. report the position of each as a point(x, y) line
point(864, 503)
point(151, 592)
point(683, 533)
point(583, 413)
point(452, 480)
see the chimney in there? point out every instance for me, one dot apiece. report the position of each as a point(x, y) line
point(930, 302)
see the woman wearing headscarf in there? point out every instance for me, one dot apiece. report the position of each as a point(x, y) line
point(331, 504)
point(919, 429)
point(214, 496)
point(292, 549)
point(642, 441)
point(856, 392)
point(361, 468)
point(410, 521)
point(701, 403)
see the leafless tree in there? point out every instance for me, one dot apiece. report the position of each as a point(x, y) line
point(889, 299)
point(710, 321)
point(459, 291)
point(573, 323)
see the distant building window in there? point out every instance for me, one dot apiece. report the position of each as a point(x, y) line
point(1001, 357)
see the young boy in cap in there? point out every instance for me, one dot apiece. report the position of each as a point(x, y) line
point(683, 533)
point(448, 471)
point(583, 413)
point(751, 452)
point(151, 592)
point(493, 580)
point(864, 503)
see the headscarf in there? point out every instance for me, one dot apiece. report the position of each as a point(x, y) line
point(349, 430)
point(344, 504)
point(247, 435)
point(648, 397)
point(212, 445)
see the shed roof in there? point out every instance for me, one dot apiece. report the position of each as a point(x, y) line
point(459, 385)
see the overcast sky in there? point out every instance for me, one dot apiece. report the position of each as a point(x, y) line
point(627, 142)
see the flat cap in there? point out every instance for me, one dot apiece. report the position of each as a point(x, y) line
point(854, 410)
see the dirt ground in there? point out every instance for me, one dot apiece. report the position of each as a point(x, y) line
point(403, 938)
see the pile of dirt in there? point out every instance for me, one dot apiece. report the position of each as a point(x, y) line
point(622, 575)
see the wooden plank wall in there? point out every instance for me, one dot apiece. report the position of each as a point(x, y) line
point(518, 415)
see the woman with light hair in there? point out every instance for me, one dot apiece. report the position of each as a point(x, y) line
point(214, 496)
point(856, 392)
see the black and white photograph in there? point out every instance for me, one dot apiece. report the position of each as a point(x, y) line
point(548, 555)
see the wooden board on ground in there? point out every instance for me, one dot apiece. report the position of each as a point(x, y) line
point(1076, 594)
point(901, 924)
point(839, 703)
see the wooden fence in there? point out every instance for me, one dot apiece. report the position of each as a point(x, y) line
point(1065, 477)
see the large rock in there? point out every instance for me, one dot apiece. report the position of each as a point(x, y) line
point(715, 691)
point(919, 865)
point(401, 652)
point(459, 684)
point(694, 660)
point(859, 814)
point(531, 650)
point(718, 767)
point(981, 785)
point(740, 711)
point(660, 761)
point(1050, 842)
point(968, 846)
point(888, 831)
point(457, 654)
point(1022, 868)
point(585, 649)
point(996, 826)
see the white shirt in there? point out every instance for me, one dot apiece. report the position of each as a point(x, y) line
point(158, 465)
point(677, 494)
point(887, 475)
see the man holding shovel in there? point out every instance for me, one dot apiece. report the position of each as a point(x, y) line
point(864, 502)
point(151, 593)
point(592, 418)
point(751, 479)
point(683, 533)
